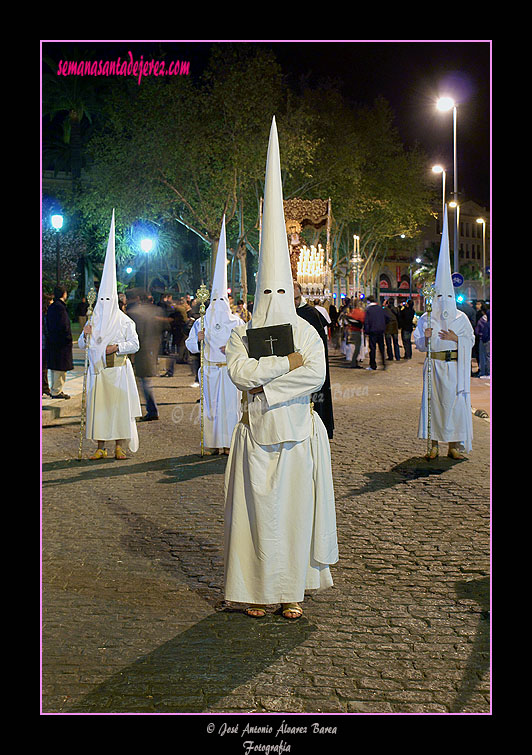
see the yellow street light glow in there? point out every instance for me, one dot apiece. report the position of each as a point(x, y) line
point(453, 204)
point(480, 220)
point(437, 169)
point(445, 103)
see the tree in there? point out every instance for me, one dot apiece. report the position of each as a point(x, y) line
point(76, 99)
point(189, 151)
point(379, 190)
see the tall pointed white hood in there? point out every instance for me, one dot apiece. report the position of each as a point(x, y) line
point(274, 273)
point(444, 303)
point(219, 320)
point(107, 315)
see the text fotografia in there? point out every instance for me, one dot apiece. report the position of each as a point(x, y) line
point(250, 746)
point(123, 67)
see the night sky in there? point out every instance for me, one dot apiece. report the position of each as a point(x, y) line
point(409, 74)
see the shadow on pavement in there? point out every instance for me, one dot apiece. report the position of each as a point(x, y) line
point(479, 660)
point(188, 553)
point(177, 468)
point(414, 468)
point(194, 670)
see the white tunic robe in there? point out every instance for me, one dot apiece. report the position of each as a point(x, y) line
point(112, 395)
point(222, 399)
point(451, 419)
point(280, 522)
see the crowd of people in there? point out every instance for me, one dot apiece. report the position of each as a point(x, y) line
point(358, 328)
point(361, 326)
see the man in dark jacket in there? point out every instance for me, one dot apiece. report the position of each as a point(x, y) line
point(406, 324)
point(374, 327)
point(392, 332)
point(59, 342)
point(150, 323)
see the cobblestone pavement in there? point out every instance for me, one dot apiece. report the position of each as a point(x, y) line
point(132, 571)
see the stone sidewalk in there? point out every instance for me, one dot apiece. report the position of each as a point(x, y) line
point(132, 571)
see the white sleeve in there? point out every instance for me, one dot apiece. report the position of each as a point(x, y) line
point(419, 334)
point(130, 345)
point(192, 343)
point(304, 380)
point(247, 373)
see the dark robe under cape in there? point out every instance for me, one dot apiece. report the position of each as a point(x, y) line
point(59, 337)
point(322, 399)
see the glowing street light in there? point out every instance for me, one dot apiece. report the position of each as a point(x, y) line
point(444, 104)
point(57, 223)
point(146, 244)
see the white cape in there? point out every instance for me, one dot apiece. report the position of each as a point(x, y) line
point(451, 384)
point(221, 398)
point(112, 395)
point(280, 522)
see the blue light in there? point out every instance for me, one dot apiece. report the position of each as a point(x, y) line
point(129, 270)
point(460, 298)
point(146, 245)
point(57, 221)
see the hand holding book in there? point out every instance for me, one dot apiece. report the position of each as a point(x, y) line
point(295, 359)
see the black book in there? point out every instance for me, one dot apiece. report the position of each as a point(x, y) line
point(273, 340)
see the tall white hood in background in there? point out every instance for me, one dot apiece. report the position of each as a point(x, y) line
point(219, 320)
point(444, 303)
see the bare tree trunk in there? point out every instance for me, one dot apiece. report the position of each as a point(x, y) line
point(233, 273)
point(241, 254)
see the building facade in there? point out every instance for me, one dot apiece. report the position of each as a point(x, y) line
point(396, 271)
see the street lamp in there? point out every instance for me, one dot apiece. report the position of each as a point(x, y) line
point(146, 244)
point(445, 104)
point(57, 223)
point(439, 169)
point(357, 259)
point(481, 220)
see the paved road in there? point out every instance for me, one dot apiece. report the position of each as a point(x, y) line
point(132, 570)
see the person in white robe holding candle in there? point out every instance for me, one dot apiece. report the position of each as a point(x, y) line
point(280, 521)
point(452, 339)
point(112, 395)
point(221, 397)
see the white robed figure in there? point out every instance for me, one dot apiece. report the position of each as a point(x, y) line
point(452, 339)
point(280, 521)
point(222, 400)
point(112, 395)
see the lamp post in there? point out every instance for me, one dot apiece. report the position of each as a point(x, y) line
point(146, 245)
point(357, 259)
point(444, 104)
point(439, 169)
point(481, 220)
point(57, 223)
